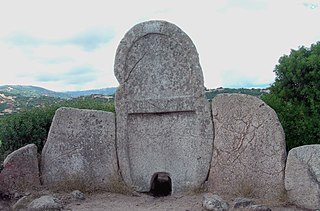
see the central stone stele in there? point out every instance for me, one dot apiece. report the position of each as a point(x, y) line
point(163, 117)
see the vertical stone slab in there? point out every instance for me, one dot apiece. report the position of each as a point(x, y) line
point(302, 180)
point(20, 170)
point(80, 151)
point(249, 148)
point(163, 117)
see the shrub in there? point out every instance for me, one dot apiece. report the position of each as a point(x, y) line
point(295, 95)
point(32, 126)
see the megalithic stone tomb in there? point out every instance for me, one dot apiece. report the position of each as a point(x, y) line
point(163, 119)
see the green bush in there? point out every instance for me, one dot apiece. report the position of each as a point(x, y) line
point(295, 95)
point(32, 126)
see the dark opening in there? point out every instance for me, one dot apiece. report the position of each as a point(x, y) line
point(161, 184)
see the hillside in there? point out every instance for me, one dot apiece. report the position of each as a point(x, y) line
point(104, 91)
point(14, 98)
point(13, 103)
point(211, 93)
point(34, 91)
point(30, 91)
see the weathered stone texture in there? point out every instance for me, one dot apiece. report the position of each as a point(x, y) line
point(214, 202)
point(77, 195)
point(45, 203)
point(163, 118)
point(249, 148)
point(80, 151)
point(302, 180)
point(20, 170)
point(261, 208)
point(242, 203)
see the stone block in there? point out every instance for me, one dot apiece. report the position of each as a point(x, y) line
point(163, 117)
point(80, 152)
point(20, 170)
point(249, 148)
point(302, 180)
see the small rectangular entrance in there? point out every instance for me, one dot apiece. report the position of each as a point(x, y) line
point(161, 184)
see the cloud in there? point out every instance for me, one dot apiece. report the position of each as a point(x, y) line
point(49, 78)
point(23, 39)
point(245, 4)
point(80, 80)
point(75, 76)
point(80, 75)
point(82, 70)
point(91, 39)
point(312, 5)
point(62, 51)
point(55, 60)
point(237, 79)
point(233, 78)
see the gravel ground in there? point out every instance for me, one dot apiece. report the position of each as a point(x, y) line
point(119, 202)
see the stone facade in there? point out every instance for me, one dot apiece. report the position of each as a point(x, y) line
point(302, 179)
point(80, 151)
point(249, 148)
point(20, 170)
point(163, 117)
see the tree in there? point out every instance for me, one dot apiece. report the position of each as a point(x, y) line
point(295, 95)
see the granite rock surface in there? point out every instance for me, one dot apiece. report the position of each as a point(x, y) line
point(302, 180)
point(80, 151)
point(163, 117)
point(249, 148)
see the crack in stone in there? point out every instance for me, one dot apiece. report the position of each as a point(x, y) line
point(311, 172)
point(240, 148)
point(134, 66)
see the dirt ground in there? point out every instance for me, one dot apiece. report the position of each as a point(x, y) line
point(143, 202)
point(119, 202)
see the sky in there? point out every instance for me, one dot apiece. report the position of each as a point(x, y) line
point(66, 45)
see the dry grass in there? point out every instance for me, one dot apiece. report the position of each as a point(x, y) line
point(76, 182)
point(117, 185)
point(245, 189)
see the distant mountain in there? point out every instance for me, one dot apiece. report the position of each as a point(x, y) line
point(34, 91)
point(211, 93)
point(30, 91)
point(14, 98)
point(105, 91)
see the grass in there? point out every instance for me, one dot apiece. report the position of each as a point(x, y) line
point(246, 189)
point(87, 185)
